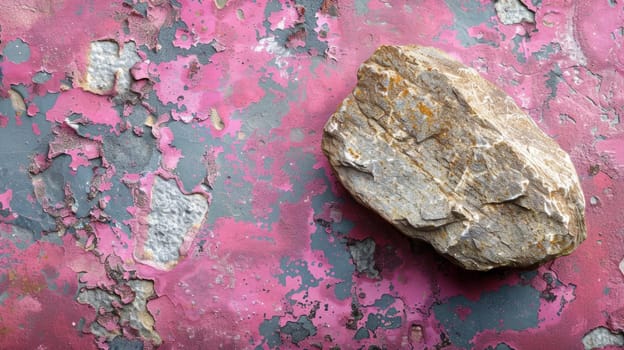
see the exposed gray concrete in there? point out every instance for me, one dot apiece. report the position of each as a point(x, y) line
point(133, 314)
point(513, 12)
point(174, 216)
point(601, 337)
point(109, 67)
point(363, 255)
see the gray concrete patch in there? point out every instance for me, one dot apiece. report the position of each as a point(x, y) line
point(109, 67)
point(133, 314)
point(173, 217)
point(513, 12)
point(601, 337)
point(363, 256)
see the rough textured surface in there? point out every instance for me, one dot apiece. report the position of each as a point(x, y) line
point(450, 159)
point(513, 12)
point(363, 256)
point(109, 67)
point(602, 337)
point(121, 306)
point(271, 264)
point(173, 221)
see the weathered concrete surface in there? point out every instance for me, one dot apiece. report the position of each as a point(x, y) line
point(448, 158)
point(602, 337)
point(272, 262)
point(513, 12)
point(172, 223)
point(108, 69)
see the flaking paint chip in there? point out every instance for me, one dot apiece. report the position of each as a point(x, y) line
point(17, 101)
point(216, 120)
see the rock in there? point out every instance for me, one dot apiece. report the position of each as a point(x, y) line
point(450, 159)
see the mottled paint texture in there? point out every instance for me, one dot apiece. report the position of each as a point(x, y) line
point(225, 102)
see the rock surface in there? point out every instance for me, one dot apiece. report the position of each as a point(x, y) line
point(450, 159)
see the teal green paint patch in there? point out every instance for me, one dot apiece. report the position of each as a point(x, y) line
point(361, 333)
point(300, 168)
point(265, 115)
point(392, 311)
point(233, 195)
point(509, 308)
point(271, 6)
point(138, 6)
point(41, 77)
point(554, 77)
point(120, 199)
point(330, 238)
point(66, 288)
point(468, 14)
point(80, 324)
point(297, 268)
point(230, 189)
point(528, 275)
point(169, 52)
point(17, 51)
point(188, 140)
point(18, 144)
point(520, 56)
point(361, 7)
point(59, 175)
point(334, 248)
point(269, 329)
point(299, 330)
point(547, 51)
point(384, 302)
point(387, 321)
point(45, 102)
point(50, 276)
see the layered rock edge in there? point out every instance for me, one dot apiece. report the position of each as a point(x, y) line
point(448, 158)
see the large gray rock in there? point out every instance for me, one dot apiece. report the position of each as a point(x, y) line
point(450, 159)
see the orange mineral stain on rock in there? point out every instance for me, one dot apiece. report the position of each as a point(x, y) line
point(424, 109)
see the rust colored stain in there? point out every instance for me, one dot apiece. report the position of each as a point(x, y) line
point(424, 109)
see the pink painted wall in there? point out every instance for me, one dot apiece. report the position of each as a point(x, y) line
point(227, 100)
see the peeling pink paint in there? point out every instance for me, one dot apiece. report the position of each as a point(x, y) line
point(232, 103)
